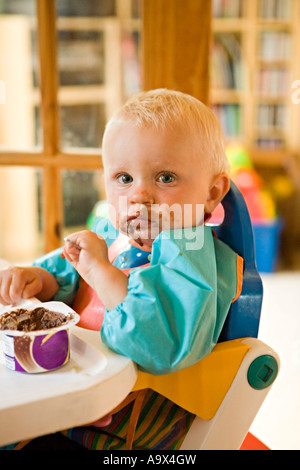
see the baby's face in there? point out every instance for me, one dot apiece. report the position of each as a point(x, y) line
point(155, 180)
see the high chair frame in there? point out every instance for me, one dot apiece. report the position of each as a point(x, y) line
point(231, 423)
point(226, 389)
point(228, 427)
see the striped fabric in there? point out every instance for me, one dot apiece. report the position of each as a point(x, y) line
point(161, 425)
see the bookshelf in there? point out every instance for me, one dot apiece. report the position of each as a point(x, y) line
point(255, 59)
point(255, 86)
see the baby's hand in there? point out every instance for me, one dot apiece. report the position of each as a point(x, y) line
point(19, 283)
point(86, 251)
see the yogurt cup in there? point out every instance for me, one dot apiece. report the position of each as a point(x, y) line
point(41, 350)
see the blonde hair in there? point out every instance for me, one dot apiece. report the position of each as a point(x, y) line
point(163, 108)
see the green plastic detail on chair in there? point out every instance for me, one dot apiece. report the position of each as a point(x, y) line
point(262, 372)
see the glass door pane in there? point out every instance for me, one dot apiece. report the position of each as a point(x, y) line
point(99, 65)
point(19, 76)
point(20, 214)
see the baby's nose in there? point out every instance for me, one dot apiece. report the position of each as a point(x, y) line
point(141, 195)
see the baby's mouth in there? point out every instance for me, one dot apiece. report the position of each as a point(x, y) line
point(138, 226)
point(137, 222)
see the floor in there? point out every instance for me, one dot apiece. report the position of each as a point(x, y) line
point(278, 421)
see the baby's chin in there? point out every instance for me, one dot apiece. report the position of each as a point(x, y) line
point(144, 243)
point(141, 232)
point(140, 239)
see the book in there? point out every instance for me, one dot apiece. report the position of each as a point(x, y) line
point(275, 9)
point(272, 117)
point(274, 45)
point(229, 117)
point(227, 8)
point(273, 82)
point(226, 63)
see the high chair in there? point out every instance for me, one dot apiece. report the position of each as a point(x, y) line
point(226, 389)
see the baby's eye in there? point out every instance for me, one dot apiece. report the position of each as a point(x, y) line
point(124, 178)
point(166, 178)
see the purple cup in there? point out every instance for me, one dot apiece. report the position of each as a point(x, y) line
point(39, 351)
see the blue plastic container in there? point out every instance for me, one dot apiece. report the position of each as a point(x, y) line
point(267, 241)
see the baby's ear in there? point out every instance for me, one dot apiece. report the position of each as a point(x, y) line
point(219, 188)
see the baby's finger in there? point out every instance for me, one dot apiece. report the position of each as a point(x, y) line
point(64, 254)
point(71, 255)
point(15, 293)
point(32, 288)
point(19, 278)
point(73, 243)
point(18, 282)
point(4, 291)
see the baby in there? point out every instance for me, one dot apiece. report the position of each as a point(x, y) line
point(151, 276)
point(165, 166)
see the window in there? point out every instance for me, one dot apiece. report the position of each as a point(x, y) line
point(76, 62)
point(68, 66)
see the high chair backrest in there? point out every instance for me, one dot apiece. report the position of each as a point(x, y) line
point(236, 231)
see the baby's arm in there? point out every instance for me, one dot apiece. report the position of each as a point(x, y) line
point(91, 261)
point(17, 283)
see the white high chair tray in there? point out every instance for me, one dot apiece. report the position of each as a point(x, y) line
point(89, 386)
